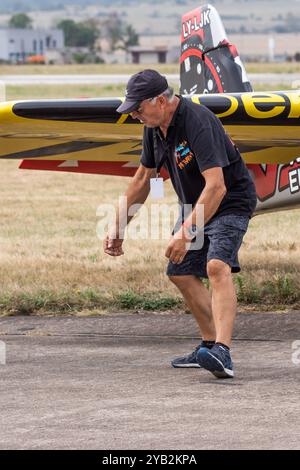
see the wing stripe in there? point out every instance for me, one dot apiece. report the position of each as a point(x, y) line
point(58, 149)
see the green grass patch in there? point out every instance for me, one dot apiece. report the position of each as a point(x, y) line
point(47, 302)
point(247, 290)
point(131, 300)
point(277, 293)
point(280, 289)
point(26, 303)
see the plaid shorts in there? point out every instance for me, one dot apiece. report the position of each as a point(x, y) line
point(222, 239)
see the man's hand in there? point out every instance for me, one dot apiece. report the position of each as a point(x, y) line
point(113, 246)
point(178, 246)
point(136, 193)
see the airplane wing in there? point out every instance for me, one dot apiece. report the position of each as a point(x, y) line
point(85, 136)
point(89, 136)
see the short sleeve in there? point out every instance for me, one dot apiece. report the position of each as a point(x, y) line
point(147, 158)
point(208, 144)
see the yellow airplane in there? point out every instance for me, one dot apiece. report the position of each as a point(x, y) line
point(89, 136)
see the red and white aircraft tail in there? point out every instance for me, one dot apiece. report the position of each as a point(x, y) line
point(210, 64)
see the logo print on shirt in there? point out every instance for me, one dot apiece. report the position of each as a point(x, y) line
point(183, 155)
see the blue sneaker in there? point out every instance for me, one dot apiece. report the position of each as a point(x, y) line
point(188, 361)
point(217, 360)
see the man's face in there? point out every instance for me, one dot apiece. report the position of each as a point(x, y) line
point(151, 112)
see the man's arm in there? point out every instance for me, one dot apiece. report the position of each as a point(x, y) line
point(211, 196)
point(137, 193)
point(210, 199)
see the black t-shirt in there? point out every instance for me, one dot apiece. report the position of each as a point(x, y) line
point(195, 142)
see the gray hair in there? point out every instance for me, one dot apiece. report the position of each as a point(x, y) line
point(168, 93)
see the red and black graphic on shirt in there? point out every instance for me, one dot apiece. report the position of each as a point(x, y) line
point(183, 155)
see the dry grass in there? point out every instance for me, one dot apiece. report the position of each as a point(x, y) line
point(52, 260)
point(85, 69)
point(48, 240)
point(90, 69)
point(28, 92)
point(14, 92)
point(51, 257)
point(273, 67)
point(270, 256)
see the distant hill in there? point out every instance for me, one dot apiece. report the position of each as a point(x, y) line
point(15, 6)
point(158, 17)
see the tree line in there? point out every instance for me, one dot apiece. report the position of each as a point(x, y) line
point(119, 34)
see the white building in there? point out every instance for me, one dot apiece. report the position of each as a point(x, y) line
point(16, 44)
point(148, 55)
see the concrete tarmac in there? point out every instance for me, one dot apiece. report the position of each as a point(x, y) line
point(106, 383)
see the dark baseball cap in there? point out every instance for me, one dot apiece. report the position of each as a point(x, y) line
point(142, 86)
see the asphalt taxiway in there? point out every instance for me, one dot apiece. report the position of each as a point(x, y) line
point(106, 383)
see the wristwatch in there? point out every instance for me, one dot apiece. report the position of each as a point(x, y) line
point(191, 230)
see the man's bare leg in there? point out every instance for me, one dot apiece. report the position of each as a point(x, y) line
point(198, 299)
point(224, 302)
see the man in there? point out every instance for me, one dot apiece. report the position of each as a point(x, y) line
point(207, 171)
